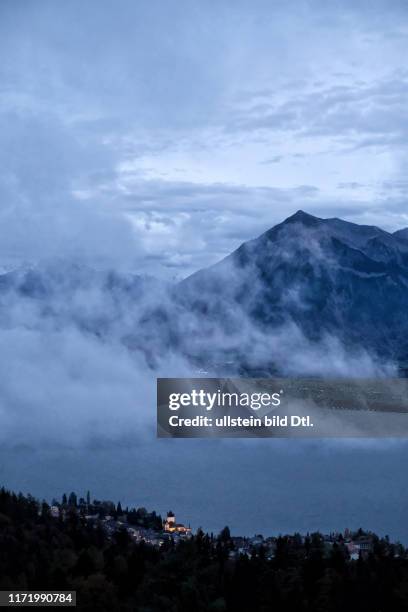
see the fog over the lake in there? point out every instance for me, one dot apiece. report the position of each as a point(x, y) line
point(141, 143)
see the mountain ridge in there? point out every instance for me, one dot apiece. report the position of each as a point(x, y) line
point(306, 279)
point(327, 276)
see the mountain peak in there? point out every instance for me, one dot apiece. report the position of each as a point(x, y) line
point(302, 217)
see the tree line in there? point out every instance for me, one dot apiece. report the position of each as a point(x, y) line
point(199, 574)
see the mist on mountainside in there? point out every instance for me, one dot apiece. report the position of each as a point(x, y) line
point(309, 297)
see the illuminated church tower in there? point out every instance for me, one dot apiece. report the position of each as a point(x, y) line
point(170, 522)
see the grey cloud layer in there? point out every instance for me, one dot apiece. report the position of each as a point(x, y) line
point(110, 120)
point(358, 114)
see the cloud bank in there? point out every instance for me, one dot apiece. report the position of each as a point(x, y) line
point(160, 137)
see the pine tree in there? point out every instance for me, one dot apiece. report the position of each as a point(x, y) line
point(72, 499)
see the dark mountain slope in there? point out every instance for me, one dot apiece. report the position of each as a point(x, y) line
point(327, 276)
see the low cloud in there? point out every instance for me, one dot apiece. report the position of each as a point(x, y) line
point(82, 349)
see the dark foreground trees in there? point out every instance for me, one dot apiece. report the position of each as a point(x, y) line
point(111, 572)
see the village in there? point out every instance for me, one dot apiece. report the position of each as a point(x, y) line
point(150, 528)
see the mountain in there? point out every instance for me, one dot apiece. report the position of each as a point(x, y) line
point(60, 294)
point(63, 278)
point(325, 276)
point(401, 234)
point(269, 306)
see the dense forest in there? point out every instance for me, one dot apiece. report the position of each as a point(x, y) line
point(200, 573)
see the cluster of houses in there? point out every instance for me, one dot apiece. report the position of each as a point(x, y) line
point(247, 546)
point(356, 544)
point(148, 527)
point(171, 531)
point(139, 524)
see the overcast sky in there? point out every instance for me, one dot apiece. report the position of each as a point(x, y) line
point(159, 135)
